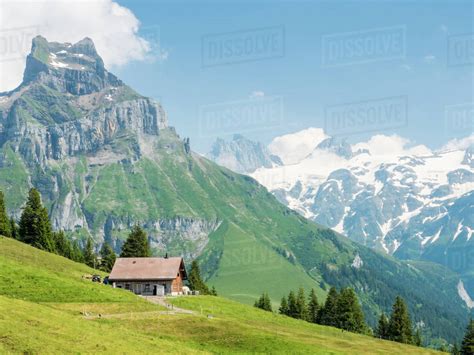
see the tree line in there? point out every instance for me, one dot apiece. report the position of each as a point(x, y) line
point(35, 229)
point(342, 310)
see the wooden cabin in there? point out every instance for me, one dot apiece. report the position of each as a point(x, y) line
point(149, 276)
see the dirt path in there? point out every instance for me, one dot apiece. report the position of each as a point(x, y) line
point(137, 315)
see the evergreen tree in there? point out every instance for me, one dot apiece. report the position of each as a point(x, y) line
point(195, 281)
point(382, 328)
point(455, 350)
point(136, 245)
point(399, 326)
point(62, 245)
point(213, 291)
point(349, 313)
point(5, 228)
point(328, 313)
point(77, 254)
point(283, 306)
point(107, 257)
point(467, 346)
point(313, 307)
point(90, 258)
point(264, 302)
point(301, 309)
point(13, 229)
point(292, 305)
point(35, 227)
point(417, 338)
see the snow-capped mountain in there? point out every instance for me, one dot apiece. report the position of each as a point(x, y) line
point(242, 155)
point(405, 200)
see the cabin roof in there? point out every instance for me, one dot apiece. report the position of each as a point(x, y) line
point(147, 268)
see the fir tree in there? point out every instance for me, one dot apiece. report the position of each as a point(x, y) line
point(467, 346)
point(107, 257)
point(35, 227)
point(399, 326)
point(213, 291)
point(417, 338)
point(62, 245)
point(292, 305)
point(328, 313)
point(264, 302)
point(13, 228)
point(5, 227)
point(349, 313)
point(90, 258)
point(382, 327)
point(313, 307)
point(195, 281)
point(77, 254)
point(301, 309)
point(136, 245)
point(283, 306)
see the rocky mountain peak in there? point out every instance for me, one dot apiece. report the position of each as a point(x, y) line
point(73, 68)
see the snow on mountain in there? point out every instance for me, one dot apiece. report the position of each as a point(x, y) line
point(386, 193)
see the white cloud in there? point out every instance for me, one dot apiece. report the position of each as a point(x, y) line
point(257, 94)
point(394, 145)
point(459, 143)
point(430, 58)
point(113, 28)
point(406, 67)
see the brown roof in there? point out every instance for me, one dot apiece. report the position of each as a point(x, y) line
point(147, 268)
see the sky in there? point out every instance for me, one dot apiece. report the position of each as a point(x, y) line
point(266, 68)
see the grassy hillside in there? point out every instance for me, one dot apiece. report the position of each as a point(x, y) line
point(41, 313)
point(259, 246)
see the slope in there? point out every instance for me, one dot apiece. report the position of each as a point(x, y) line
point(37, 321)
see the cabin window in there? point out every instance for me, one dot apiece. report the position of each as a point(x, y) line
point(147, 287)
point(127, 286)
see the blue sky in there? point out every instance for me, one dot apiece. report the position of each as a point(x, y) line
point(294, 78)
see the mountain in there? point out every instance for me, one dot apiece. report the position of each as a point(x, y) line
point(412, 202)
point(46, 317)
point(104, 158)
point(242, 155)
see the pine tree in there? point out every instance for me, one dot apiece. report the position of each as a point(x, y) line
point(5, 228)
point(62, 245)
point(136, 245)
point(399, 326)
point(302, 310)
point(455, 350)
point(417, 338)
point(467, 346)
point(283, 306)
point(328, 313)
point(35, 227)
point(77, 253)
point(349, 313)
point(107, 257)
point(292, 305)
point(313, 307)
point(213, 291)
point(13, 228)
point(90, 258)
point(382, 328)
point(264, 302)
point(195, 281)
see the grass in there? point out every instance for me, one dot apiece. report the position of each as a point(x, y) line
point(44, 300)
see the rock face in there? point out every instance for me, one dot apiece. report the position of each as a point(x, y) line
point(242, 155)
point(68, 120)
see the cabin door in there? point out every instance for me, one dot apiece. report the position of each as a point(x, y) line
point(155, 290)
